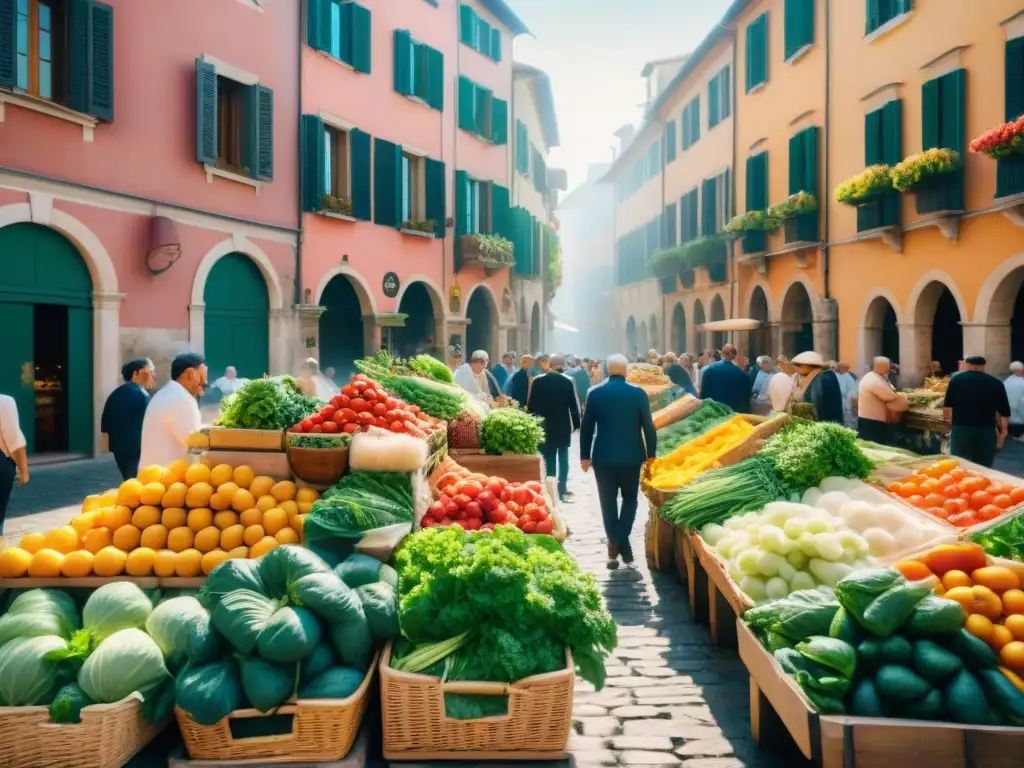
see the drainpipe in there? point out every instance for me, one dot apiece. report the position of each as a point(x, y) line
point(454, 192)
point(299, 236)
point(734, 282)
point(828, 185)
point(664, 173)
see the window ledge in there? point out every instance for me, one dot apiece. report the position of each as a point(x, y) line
point(800, 53)
point(338, 61)
point(213, 171)
point(759, 87)
point(479, 137)
point(417, 233)
point(416, 100)
point(889, 26)
point(43, 107)
point(338, 216)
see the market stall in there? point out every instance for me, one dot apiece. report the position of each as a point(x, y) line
point(924, 428)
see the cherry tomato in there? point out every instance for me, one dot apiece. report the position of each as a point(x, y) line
point(989, 512)
point(349, 390)
point(980, 499)
point(327, 412)
point(397, 427)
point(317, 428)
point(306, 425)
point(316, 418)
point(379, 409)
point(350, 428)
point(393, 403)
point(358, 404)
point(330, 426)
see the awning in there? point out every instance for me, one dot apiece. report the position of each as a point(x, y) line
point(736, 324)
point(565, 327)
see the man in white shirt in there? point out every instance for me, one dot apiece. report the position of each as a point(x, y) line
point(759, 390)
point(13, 458)
point(173, 412)
point(472, 376)
point(1015, 394)
point(875, 397)
point(229, 383)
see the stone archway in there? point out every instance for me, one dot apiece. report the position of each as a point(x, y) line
point(937, 322)
point(421, 303)
point(678, 333)
point(342, 326)
point(718, 338)
point(759, 342)
point(642, 340)
point(482, 323)
point(998, 328)
point(631, 339)
point(880, 331)
point(236, 318)
point(653, 337)
point(797, 321)
point(699, 336)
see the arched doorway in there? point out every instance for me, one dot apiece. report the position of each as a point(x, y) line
point(939, 334)
point(481, 332)
point(417, 337)
point(1001, 305)
point(678, 329)
point(797, 321)
point(700, 337)
point(341, 327)
point(881, 332)
point(759, 341)
point(631, 339)
point(535, 329)
point(643, 341)
point(236, 320)
point(46, 342)
point(718, 338)
point(652, 332)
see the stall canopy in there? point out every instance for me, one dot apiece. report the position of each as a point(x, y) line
point(736, 324)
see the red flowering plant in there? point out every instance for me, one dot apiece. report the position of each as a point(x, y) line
point(1004, 140)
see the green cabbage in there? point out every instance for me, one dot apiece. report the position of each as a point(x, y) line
point(181, 627)
point(27, 678)
point(241, 615)
point(68, 704)
point(209, 693)
point(39, 612)
point(113, 607)
point(126, 661)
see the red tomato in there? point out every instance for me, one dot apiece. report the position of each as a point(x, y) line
point(511, 519)
point(361, 385)
point(1017, 494)
point(473, 510)
point(541, 514)
point(980, 499)
point(496, 486)
point(336, 401)
point(488, 500)
point(350, 428)
point(364, 417)
point(954, 506)
point(306, 425)
point(349, 390)
point(379, 409)
point(317, 428)
point(448, 478)
point(530, 527)
point(545, 526)
point(445, 498)
point(397, 427)
point(413, 408)
point(381, 422)
point(506, 495)
point(989, 512)
point(347, 414)
point(316, 418)
point(511, 506)
point(391, 415)
point(531, 509)
point(451, 509)
point(392, 403)
point(359, 404)
point(330, 426)
point(540, 501)
point(496, 516)
point(473, 524)
point(344, 401)
point(360, 377)
point(428, 522)
point(472, 489)
point(963, 519)
point(534, 486)
point(297, 429)
point(447, 522)
point(339, 418)
point(461, 500)
point(327, 412)
point(1003, 501)
point(522, 496)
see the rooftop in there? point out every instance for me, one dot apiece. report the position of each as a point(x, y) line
point(545, 100)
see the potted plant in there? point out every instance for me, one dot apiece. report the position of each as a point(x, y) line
point(420, 225)
point(799, 216)
point(1005, 145)
point(493, 252)
point(932, 178)
point(866, 186)
point(332, 204)
point(753, 227)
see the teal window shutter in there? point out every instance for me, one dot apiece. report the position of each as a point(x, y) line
point(483, 106)
point(670, 141)
point(318, 24)
point(930, 114)
point(90, 56)
point(499, 121)
point(387, 188)
point(892, 133)
point(1014, 78)
point(8, 44)
point(467, 24)
point(873, 15)
point(500, 212)
point(713, 96)
point(799, 25)
point(484, 37)
point(757, 52)
point(953, 93)
point(467, 103)
point(206, 113)
point(686, 124)
point(263, 168)
point(436, 192)
point(695, 117)
point(421, 72)
point(314, 183)
point(462, 214)
point(403, 62)
point(797, 157)
point(810, 161)
point(709, 207)
point(753, 195)
point(496, 44)
point(361, 38)
point(725, 105)
point(435, 78)
point(359, 154)
point(872, 138)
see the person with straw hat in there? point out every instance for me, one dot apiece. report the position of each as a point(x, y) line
point(818, 386)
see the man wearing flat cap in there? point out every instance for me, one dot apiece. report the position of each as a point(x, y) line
point(979, 411)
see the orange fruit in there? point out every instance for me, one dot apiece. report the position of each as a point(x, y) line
point(253, 535)
point(63, 539)
point(232, 538)
point(289, 536)
point(274, 520)
point(46, 563)
point(197, 473)
point(152, 494)
point(225, 519)
point(1012, 655)
point(32, 542)
point(261, 485)
point(243, 476)
point(154, 537)
point(1013, 601)
point(127, 537)
point(977, 599)
point(200, 518)
point(198, 495)
point(220, 501)
point(207, 539)
point(1001, 636)
point(228, 488)
point(242, 500)
point(180, 539)
point(97, 539)
point(1015, 623)
point(979, 626)
point(146, 516)
point(77, 564)
point(956, 578)
point(164, 563)
point(283, 491)
point(263, 503)
point(14, 562)
point(263, 546)
point(220, 474)
point(251, 517)
point(174, 517)
point(996, 578)
point(175, 495)
point(189, 563)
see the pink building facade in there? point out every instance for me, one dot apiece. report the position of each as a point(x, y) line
point(148, 197)
point(406, 160)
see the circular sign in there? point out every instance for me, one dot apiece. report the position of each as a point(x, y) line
point(391, 284)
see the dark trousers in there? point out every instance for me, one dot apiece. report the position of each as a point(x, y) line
point(127, 464)
point(618, 521)
point(559, 456)
point(8, 471)
point(977, 444)
point(875, 431)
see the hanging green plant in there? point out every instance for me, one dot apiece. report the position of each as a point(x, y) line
point(866, 185)
point(752, 221)
point(795, 205)
point(910, 172)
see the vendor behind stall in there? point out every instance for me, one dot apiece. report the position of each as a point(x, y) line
point(819, 387)
point(979, 412)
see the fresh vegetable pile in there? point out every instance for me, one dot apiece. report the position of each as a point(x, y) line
point(365, 403)
point(272, 403)
point(690, 459)
point(949, 492)
point(477, 502)
point(1005, 539)
point(675, 411)
point(645, 373)
point(719, 494)
point(431, 368)
point(804, 453)
point(510, 430)
point(435, 394)
point(178, 520)
point(708, 414)
point(521, 599)
point(320, 442)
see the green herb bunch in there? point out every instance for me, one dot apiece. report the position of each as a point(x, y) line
point(1003, 540)
point(431, 368)
point(510, 430)
point(806, 452)
point(270, 403)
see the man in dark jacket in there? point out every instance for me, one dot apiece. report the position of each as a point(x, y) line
point(626, 439)
point(552, 396)
point(505, 369)
point(726, 383)
point(121, 421)
point(518, 386)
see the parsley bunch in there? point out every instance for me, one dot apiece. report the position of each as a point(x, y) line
point(806, 452)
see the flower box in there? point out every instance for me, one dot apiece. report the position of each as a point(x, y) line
point(1010, 176)
point(492, 252)
point(802, 228)
point(339, 205)
point(755, 241)
point(940, 193)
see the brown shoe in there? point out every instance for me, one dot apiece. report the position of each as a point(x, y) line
point(613, 556)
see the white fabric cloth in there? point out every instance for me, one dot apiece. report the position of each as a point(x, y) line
point(172, 415)
point(228, 386)
point(11, 436)
point(474, 384)
point(1015, 394)
point(780, 388)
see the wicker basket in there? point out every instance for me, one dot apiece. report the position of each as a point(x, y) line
point(322, 730)
point(536, 727)
point(108, 736)
point(318, 466)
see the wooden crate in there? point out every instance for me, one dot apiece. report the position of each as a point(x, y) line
point(680, 554)
point(273, 465)
point(659, 541)
point(513, 467)
point(229, 439)
point(725, 601)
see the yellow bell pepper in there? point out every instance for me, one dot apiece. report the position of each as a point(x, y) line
point(698, 455)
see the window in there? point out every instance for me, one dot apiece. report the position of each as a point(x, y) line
point(799, 26)
point(757, 52)
point(670, 219)
point(1014, 78)
point(412, 188)
point(522, 148)
point(719, 98)
point(691, 123)
point(335, 168)
point(883, 144)
point(230, 95)
point(688, 206)
point(670, 141)
point(540, 172)
point(803, 162)
point(943, 117)
point(419, 70)
point(480, 113)
point(62, 53)
point(478, 34)
point(340, 29)
point(756, 199)
point(881, 12)
point(337, 181)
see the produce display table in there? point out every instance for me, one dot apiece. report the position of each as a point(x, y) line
point(725, 602)
point(94, 582)
point(659, 541)
point(513, 467)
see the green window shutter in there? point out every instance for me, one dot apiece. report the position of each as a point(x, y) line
point(713, 96)
point(421, 79)
point(462, 224)
point(799, 25)
point(751, 191)
point(892, 133)
point(435, 78)
point(496, 44)
point(709, 207)
point(499, 121)
point(757, 182)
point(467, 103)
point(8, 44)
point(318, 24)
point(90, 58)
point(467, 24)
point(796, 162)
point(500, 213)
point(874, 15)
point(725, 108)
point(436, 192)
point(757, 52)
point(872, 138)
point(953, 109)
point(313, 151)
point(1014, 78)
point(669, 220)
point(263, 168)
point(762, 179)
point(403, 62)
point(483, 106)
point(810, 161)
point(387, 187)
point(930, 114)
point(361, 38)
point(359, 154)
point(484, 37)
point(695, 117)
point(206, 113)
point(670, 141)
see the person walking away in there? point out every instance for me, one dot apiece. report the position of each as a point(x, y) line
point(849, 390)
point(518, 386)
point(724, 382)
point(1014, 385)
point(978, 410)
point(123, 413)
point(620, 415)
point(13, 456)
point(681, 382)
point(503, 371)
point(762, 374)
point(877, 404)
point(472, 377)
point(818, 386)
point(173, 413)
point(553, 398)
point(580, 378)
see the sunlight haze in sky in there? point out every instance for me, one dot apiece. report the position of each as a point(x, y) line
point(594, 51)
